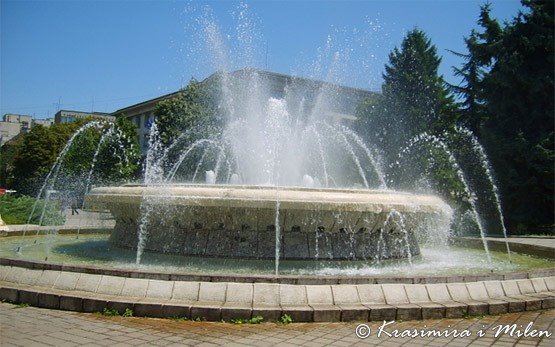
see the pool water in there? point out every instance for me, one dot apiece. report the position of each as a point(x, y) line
point(98, 251)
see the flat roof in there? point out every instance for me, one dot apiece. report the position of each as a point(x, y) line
point(248, 70)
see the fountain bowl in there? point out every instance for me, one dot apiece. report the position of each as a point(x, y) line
point(240, 221)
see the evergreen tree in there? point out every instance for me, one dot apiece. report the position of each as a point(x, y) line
point(414, 97)
point(519, 95)
point(471, 108)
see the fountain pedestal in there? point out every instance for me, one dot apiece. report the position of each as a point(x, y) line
point(240, 221)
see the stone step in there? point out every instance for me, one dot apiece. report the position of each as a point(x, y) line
point(320, 302)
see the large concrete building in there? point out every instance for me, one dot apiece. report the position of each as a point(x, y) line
point(68, 116)
point(14, 124)
point(276, 85)
point(142, 115)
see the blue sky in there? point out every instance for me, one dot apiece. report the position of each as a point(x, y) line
point(105, 55)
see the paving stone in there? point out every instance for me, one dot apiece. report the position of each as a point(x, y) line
point(210, 311)
point(525, 286)
point(548, 303)
point(159, 289)
point(510, 288)
point(231, 311)
point(325, 313)
point(47, 300)
point(458, 292)
point(408, 312)
point(48, 278)
point(299, 313)
point(354, 313)
point(9, 294)
point(292, 295)
point(28, 297)
point(212, 292)
point(239, 293)
point(478, 292)
point(494, 289)
point(94, 305)
point(550, 283)
point(417, 293)
point(176, 310)
point(120, 304)
point(71, 303)
point(134, 287)
point(67, 280)
point(539, 285)
point(381, 312)
point(515, 305)
point(186, 291)
point(370, 294)
point(4, 270)
point(110, 285)
point(24, 276)
point(395, 294)
point(432, 310)
point(146, 309)
point(269, 312)
point(455, 309)
point(345, 294)
point(319, 295)
point(438, 292)
point(88, 282)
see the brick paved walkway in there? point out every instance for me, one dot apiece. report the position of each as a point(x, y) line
point(30, 326)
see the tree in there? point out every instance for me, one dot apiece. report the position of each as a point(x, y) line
point(519, 95)
point(482, 47)
point(192, 110)
point(190, 116)
point(38, 150)
point(415, 95)
point(415, 98)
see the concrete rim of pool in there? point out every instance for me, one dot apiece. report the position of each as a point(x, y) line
point(305, 299)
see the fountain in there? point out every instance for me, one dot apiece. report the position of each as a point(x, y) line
point(239, 221)
point(293, 216)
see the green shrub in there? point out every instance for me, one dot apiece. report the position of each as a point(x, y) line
point(16, 210)
point(128, 313)
point(285, 319)
point(110, 312)
point(253, 320)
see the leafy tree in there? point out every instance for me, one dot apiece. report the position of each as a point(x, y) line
point(192, 111)
point(39, 149)
point(7, 153)
point(189, 116)
point(36, 154)
point(105, 155)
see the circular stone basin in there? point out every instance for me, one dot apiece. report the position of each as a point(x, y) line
point(240, 221)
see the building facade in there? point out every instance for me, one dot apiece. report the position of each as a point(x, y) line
point(142, 115)
point(341, 100)
point(44, 122)
point(68, 116)
point(12, 125)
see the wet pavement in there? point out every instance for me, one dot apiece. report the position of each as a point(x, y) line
point(30, 326)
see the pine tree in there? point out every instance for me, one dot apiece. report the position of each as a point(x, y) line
point(519, 131)
point(415, 98)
